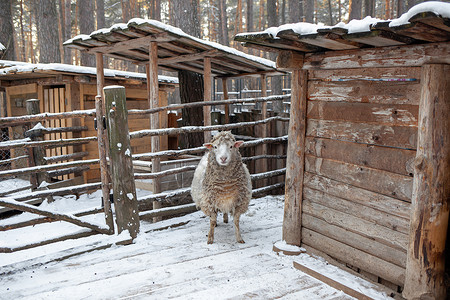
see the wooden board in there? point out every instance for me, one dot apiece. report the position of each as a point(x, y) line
point(355, 240)
point(354, 256)
point(396, 56)
point(355, 194)
point(380, 114)
point(384, 235)
point(386, 183)
point(365, 91)
point(365, 74)
point(373, 134)
point(357, 210)
point(389, 159)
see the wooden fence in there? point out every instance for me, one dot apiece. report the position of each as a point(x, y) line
point(147, 210)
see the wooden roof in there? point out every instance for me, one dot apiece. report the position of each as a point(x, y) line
point(420, 28)
point(176, 49)
point(15, 70)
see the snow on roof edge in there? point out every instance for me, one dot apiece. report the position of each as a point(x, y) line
point(176, 31)
point(11, 67)
point(2, 48)
point(354, 26)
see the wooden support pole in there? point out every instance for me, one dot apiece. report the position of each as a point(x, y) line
point(104, 176)
point(264, 126)
point(36, 155)
point(225, 97)
point(125, 201)
point(207, 94)
point(153, 98)
point(295, 159)
point(100, 73)
point(425, 263)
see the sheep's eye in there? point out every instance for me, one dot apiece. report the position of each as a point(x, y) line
point(215, 147)
point(231, 147)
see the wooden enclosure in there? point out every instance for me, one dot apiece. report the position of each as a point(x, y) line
point(368, 183)
point(64, 88)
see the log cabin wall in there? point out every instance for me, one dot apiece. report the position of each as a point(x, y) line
point(361, 138)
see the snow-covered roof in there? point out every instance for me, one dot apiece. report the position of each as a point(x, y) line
point(176, 49)
point(8, 67)
point(2, 48)
point(425, 22)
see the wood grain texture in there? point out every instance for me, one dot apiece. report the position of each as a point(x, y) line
point(295, 160)
point(389, 159)
point(431, 189)
point(382, 182)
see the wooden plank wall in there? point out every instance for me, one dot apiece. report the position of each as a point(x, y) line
point(360, 146)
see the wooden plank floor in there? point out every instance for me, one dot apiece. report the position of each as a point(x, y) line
point(174, 264)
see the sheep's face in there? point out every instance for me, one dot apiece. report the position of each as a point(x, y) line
point(223, 150)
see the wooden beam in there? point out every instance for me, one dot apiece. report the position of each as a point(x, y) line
point(225, 97)
point(133, 43)
point(288, 60)
point(425, 266)
point(207, 94)
point(187, 57)
point(295, 160)
point(153, 98)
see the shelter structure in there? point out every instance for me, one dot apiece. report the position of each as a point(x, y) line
point(64, 88)
point(368, 181)
point(157, 45)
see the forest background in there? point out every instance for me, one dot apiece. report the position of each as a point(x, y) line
point(34, 30)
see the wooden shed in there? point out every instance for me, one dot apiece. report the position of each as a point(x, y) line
point(368, 180)
point(64, 88)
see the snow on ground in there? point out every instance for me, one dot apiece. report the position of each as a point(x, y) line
point(174, 262)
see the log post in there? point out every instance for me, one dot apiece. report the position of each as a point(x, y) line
point(36, 154)
point(153, 98)
point(104, 176)
point(125, 201)
point(425, 265)
point(295, 159)
point(207, 95)
point(262, 150)
point(225, 97)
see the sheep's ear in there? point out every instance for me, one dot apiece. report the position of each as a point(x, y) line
point(208, 145)
point(237, 144)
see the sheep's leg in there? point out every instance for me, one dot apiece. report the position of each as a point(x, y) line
point(212, 224)
point(237, 231)
point(225, 217)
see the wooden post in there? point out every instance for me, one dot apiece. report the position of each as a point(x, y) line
point(225, 97)
point(295, 159)
point(153, 98)
point(100, 73)
point(36, 154)
point(425, 263)
point(125, 201)
point(103, 163)
point(207, 95)
point(262, 149)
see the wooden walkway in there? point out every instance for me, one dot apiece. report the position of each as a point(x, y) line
point(174, 263)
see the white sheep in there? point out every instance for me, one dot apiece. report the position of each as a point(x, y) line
point(222, 182)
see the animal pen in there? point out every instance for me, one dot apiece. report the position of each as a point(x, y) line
point(368, 181)
point(152, 44)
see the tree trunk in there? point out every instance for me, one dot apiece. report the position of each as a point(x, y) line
point(223, 20)
point(295, 11)
point(369, 8)
point(191, 84)
point(309, 11)
point(86, 23)
point(47, 21)
point(330, 12)
point(7, 30)
point(22, 34)
point(67, 31)
point(354, 11)
point(126, 10)
point(100, 13)
point(249, 15)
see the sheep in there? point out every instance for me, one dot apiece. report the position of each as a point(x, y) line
point(222, 182)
